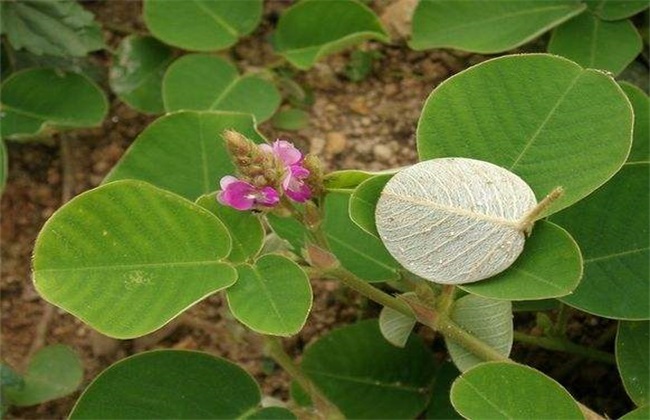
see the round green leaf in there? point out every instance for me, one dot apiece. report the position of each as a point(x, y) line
point(292, 119)
point(169, 384)
point(357, 250)
point(486, 319)
point(550, 266)
point(35, 98)
point(633, 359)
point(272, 296)
point(364, 201)
point(616, 9)
point(348, 179)
point(534, 115)
point(366, 377)
point(201, 25)
point(641, 413)
point(312, 29)
point(395, 326)
point(641, 103)
point(597, 44)
point(511, 391)
point(245, 228)
point(184, 152)
point(207, 83)
point(486, 26)
point(137, 72)
point(53, 372)
point(611, 227)
point(127, 257)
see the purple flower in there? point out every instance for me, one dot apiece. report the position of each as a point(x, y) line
point(244, 196)
point(293, 181)
point(294, 184)
point(284, 150)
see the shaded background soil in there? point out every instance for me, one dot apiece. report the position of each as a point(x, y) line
point(368, 125)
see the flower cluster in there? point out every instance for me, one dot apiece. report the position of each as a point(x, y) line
point(268, 171)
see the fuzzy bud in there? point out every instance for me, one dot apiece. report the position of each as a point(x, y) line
point(255, 166)
point(315, 178)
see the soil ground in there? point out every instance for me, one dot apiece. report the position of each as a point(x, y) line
point(367, 125)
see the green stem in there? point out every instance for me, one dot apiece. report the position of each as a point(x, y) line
point(274, 349)
point(561, 344)
point(563, 315)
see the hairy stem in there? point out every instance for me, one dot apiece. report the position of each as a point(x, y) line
point(273, 348)
point(527, 221)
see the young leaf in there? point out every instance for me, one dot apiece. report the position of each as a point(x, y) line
point(534, 115)
point(137, 72)
point(36, 98)
point(616, 9)
point(312, 29)
point(364, 202)
point(550, 266)
point(59, 28)
point(486, 26)
point(292, 119)
point(454, 220)
point(272, 296)
point(200, 82)
point(611, 227)
point(201, 25)
point(184, 152)
point(127, 257)
point(633, 359)
point(641, 145)
point(508, 390)
point(245, 228)
point(358, 251)
point(395, 326)
point(169, 384)
point(366, 377)
point(597, 44)
point(440, 405)
point(487, 319)
point(53, 372)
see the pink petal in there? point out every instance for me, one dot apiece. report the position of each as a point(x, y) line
point(301, 194)
point(268, 196)
point(287, 152)
point(236, 193)
point(227, 180)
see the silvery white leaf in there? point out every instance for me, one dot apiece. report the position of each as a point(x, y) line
point(454, 220)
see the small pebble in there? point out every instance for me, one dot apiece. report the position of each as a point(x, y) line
point(336, 142)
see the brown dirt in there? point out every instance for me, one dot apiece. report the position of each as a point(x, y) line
point(369, 124)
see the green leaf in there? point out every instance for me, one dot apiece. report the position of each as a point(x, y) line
point(201, 82)
point(346, 179)
point(364, 201)
point(60, 28)
point(597, 44)
point(534, 115)
point(641, 145)
point(486, 26)
point(137, 72)
point(272, 413)
point(550, 266)
point(395, 326)
point(508, 390)
point(184, 152)
point(633, 359)
point(616, 9)
point(641, 413)
point(357, 250)
point(611, 227)
point(272, 296)
point(169, 384)
point(53, 372)
point(245, 228)
point(366, 377)
point(127, 257)
point(33, 99)
point(312, 29)
point(292, 119)
point(535, 305)
point(488, 320)
point(440, 405)
point(201, 25)
point(290, 230)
